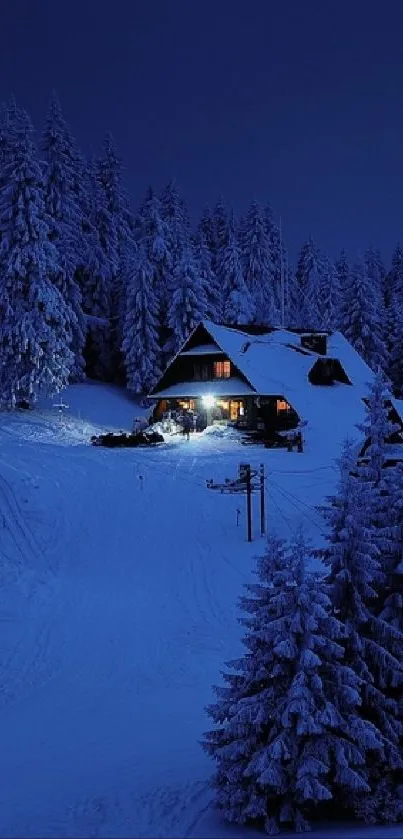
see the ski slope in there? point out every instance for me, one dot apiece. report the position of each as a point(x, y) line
point(120, 575)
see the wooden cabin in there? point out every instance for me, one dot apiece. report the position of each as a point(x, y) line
point(252, 376)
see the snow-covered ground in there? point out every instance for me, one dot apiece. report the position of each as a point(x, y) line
point(120, 575)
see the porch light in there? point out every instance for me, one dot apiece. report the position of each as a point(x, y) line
point(208, 401)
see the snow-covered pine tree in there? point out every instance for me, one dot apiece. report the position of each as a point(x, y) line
point(281, 269)
point(188, 305)
point(221, 219)
point(152, 234)
point(101, 269)
point(343, 270)
point(330, 296)
point(176, 216)
point(110, 176)
point(35, 322)
point(360, 319)
point(385, 485)
point(213, 292)
point(238, 307)
point(371, 644)
point(288, 736)
point(376, 273)
point(394, 320)
point(140, 342)
point(206, 231)
point(258, 268)
point(65, 222)
point(309, 279)
point(378, 278)
point(391, 598)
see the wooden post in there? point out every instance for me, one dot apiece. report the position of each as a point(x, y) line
point(249, 502)
point(262, 502)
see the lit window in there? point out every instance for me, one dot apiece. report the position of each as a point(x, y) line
point(222, 369)
point(282, 405)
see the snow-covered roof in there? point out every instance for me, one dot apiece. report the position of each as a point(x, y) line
point(275, 364)
point(220, 387)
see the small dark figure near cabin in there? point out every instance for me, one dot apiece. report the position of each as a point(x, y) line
point(187, 420)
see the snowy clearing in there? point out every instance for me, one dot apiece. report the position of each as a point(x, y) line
point(121, 573)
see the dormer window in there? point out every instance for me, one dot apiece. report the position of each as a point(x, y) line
point(222, 369)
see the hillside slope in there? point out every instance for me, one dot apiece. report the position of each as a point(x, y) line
point(121, 573)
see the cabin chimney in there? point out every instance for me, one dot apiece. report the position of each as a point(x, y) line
point(315, 341)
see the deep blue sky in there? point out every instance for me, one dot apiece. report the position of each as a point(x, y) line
point(296, 102)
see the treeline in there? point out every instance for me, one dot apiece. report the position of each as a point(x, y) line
point(90, 286)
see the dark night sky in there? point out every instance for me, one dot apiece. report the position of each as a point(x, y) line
point(298, 102)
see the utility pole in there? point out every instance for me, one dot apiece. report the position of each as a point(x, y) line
point(249, 502)
point(262, 502)
point(282, 277)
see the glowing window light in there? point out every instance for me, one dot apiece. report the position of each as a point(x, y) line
point(208, 400)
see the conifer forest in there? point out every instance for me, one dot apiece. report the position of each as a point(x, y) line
point(92, 285)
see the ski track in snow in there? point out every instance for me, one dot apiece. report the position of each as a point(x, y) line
point(83, 638)
point(119, 611)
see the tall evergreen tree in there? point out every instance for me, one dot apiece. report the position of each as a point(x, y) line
point(206, 232)
point(309, 277)
point(140, 343)
point(212, 289)
point(153, 235)
point(343, 271)
point(330, 296)
point(35, 321)
point(394, 320)
point(221, 220)
point(110, 175)
point(175, 214)
point(377, 275)
point(361, 323)
point(288, 735)
point(99, 277)
point(384, 485)
point(238, 304)
point(188, 305)
point(64, 218)
point(371, 643)
point(258, 266)
point(282, 279)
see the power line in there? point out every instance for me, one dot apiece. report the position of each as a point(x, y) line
point(291, 500)
point(279, 510)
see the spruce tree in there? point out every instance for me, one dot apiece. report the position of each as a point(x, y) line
point(394, 320)
point(212, 289)
point(102, 261)
point(238, 305)
point(153, 235)
point(343, 271)
point(288, 736)
point(35, 322)
point(258, 267)
point(360, 320)
point(175, 214)
point(140, 342)
point(206, 232)
point(110, 176)
point(188, 305)
point(64, 218)
point(281, 269)
point(385, 485)
point(371, 644)
point(309, 277)
point(330, 296)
